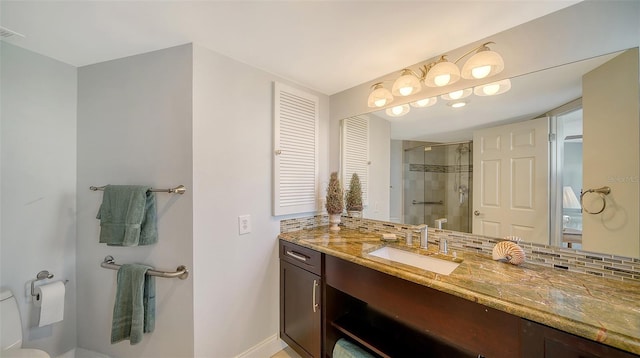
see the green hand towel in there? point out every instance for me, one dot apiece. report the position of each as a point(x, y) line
point(134, 311)
point(128, 216)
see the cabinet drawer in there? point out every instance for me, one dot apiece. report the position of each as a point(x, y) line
point(302, 257)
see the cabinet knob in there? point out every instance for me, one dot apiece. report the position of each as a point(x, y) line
point(476, 213)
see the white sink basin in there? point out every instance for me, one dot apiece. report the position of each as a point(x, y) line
point(428, 263)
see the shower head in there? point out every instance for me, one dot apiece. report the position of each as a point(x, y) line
point(463, 148)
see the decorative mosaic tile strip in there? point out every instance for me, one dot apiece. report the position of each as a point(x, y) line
point(602, 265)
point(309, 222)
point(433, 168)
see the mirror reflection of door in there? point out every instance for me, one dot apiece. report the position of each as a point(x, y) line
point(566, 229)
point(511, 181)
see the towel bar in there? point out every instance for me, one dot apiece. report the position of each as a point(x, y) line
point(180, 189)
point(181, 272)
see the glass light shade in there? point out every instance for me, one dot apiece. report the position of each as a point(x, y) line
point(455, 95)
point(398, 111)
point(441, 74)
point(380, 96)
point(492, 89)
point(422, 103)
point(407, 84)
point(484, 63)
point(457, 104)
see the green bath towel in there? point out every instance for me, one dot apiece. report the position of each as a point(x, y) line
point(134, 311)
point(128, 216)
point(347, 349)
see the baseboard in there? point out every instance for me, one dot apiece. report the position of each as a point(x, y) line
point(264, 349)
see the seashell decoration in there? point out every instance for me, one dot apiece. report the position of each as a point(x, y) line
point(515, 239)
point(508, 251)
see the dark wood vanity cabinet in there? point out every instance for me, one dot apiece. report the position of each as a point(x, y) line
point(393, 317)
point(301, 299)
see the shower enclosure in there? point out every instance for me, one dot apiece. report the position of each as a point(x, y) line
point(437, 184)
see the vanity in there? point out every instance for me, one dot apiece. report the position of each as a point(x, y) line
point(332, 287)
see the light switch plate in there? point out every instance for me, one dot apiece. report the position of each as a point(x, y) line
point(244, 224)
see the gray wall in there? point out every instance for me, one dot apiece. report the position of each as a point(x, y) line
point(135, 127)
point(38, 137)
point(236, 295)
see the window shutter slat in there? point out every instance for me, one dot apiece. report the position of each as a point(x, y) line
point(296, 146)
point(355, 153)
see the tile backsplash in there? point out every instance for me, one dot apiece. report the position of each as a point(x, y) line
point(602, 265)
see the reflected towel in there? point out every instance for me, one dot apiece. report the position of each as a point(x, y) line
point(346, 349)
point(134, 311)
point(128, 216)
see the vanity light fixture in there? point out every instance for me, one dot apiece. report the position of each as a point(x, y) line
point(380, 96)
point(441, 73)
point(407, 84)
point(423, 103)
point(492, 89)
point(398, 111)
point(456, 95)
point(482, 64)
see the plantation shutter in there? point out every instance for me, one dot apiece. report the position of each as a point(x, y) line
point(355, 153)
point(296, 151)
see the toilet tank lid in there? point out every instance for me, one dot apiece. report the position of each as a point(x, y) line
point(4, 294)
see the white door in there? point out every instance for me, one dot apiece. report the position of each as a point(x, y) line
point(511, 181)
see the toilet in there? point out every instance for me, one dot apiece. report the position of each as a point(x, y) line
point(11, 333)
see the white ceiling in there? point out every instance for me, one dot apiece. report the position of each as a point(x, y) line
point(328, 46)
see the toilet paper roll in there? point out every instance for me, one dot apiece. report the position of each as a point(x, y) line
point(50, 299)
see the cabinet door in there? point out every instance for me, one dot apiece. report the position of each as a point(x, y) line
point(542, 341)
point(300, 310)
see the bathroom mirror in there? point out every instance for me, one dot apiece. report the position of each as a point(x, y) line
point(438, 139)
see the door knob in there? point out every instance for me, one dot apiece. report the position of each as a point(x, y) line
point(476, 213)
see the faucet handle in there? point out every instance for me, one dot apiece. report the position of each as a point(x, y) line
point(420, 227)
point(443, 247)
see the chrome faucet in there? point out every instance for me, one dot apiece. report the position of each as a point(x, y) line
point(424, 240)
point(439, 223)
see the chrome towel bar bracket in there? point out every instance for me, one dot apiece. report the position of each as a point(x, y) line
point(605, 190)
point(181, 272)
point(180, 189)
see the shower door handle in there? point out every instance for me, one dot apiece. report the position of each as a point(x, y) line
point(476, 213)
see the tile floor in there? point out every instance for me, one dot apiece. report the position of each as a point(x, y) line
point(286, 353)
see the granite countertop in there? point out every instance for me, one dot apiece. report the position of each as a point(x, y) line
point(603, 310)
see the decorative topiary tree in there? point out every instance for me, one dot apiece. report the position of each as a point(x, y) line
point(353, 198)
point(334, 203)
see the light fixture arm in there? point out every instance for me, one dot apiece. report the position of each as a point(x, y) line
point(482, 47)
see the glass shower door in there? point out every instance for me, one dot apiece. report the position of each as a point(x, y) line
point(438, 185)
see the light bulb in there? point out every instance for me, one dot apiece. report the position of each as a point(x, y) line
point(380, 102)
point(405, 91)
point(456, 94)
point(398, 111)
point(442, 80)
point(426, 102)
point(458, 104)
point(481, 71)
point(492, 89)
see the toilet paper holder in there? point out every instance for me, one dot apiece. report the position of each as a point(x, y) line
point(42, 275)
